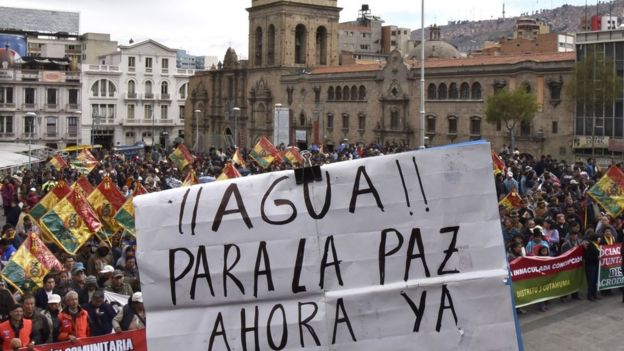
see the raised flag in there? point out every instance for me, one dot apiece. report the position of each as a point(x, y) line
point(60, 190)
point(229, 172)
point(125, 216)
point(106, 200)
point(264, 153)
point(71, 222)
point(292, 156)
point(191, 179)
point(497, 164)
point(58, 162)
point(511, 201)
point(27, 267)
point(85, 162)
point(83, 183)
point(609, 191)
point(237, 158)
point(181, 157)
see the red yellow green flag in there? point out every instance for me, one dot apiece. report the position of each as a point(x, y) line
point(292, 156)
point(85, 162)
point(28, 266)
point(497, 164)
point(609, 191)
point(181, 157)
point(60, 190)
point(83, 183)
point(71, 222)
point(264, 153)
point(229, 172)
point(58, 162)
point(511, 201)
point(237, 158)
point(106, 200)
point(125, 215)
point(191, 179)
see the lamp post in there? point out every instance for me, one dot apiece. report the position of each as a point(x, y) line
point(95, 120)
point(79, 113)
point(421, 138)
point(153, 117)
point(31, 117)
point(196, 146)
point(236, 111)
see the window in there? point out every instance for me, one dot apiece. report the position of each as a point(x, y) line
point(362, 93)
point(476, 91)
point(475, 126)
point(354, 93)
point(271, 45)
point(182, 91)
point(301, 44)
point(431, 125)
point(6, 95)
point(130, 111)
point(131, 88)
point(102, 111)
point(103, 88)
point(51, 97)
point(181, 109)
point(148, 64)
point(73, 97)
point(6, 124)
point(442, 91)
point(453, 95)
point(431, 92)
point(72, 126)
point(345, 121)
point(164, 88)
point(330, 120)
point(464, 91)
point(165, 65)
point(258, 55)
point(148, 90)
point(29, 125)
point(345, 93)
point(148, 112)
point(321, 45)
point(330, 94)
point(555, 127)
point(361, 122)
point(29, 96)
point(499, 126)
point(131, 61)
point(452, 125)
point(525, 128)
point(338, 93)
point(51, 126)
point(164, 110)
point(394, 119)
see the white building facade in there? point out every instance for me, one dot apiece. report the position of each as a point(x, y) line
point(136, 95)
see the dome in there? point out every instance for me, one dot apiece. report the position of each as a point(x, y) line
point(435, 49)
point(231, 59)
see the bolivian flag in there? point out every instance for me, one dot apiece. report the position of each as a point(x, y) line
point(264, 153)
point(511, 201)
point(609, 191)
point(191, 179)
point(28, 266)
point(50, 199)
point(237, 158)
point(85, 162)
point(229, 172)
point(497, 164)
point(181, 157)
point(83, 183)
point(125, 215)
point(292, 156)
point(58, 162)
point(106, 200)
point(71, 222)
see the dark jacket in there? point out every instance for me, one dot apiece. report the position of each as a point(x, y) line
point(40, 328)
point(101, 321)
point(591, 255)
point(41, 299)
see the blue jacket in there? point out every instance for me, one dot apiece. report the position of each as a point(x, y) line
point(100, 323)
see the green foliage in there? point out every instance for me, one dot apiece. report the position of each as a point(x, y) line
point(511, 106)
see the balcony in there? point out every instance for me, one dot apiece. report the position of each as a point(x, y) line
point(147, 122)
point(148, 96)
point(165, 71)
point(7, 106)
point(132, 69)
point(104, 69)
point(51, 107)
point(72, 77)
point(32, 75)
point(131, 96)
point(164, 97)
point(72, 107)
point(148, 70)
point(185, 72)
point(29, 107)
point(7, 135)
point(51, 135)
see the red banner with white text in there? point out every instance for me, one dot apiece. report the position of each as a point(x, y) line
point(126, 341)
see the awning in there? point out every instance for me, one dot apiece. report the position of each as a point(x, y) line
point(11, 160)
point(19, 147)
point(81, 147)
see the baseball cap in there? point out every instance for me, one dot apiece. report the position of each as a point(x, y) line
point(54, 298)
point(107, 269)
point(137, 297)
point(78, 267)
point(118, 273)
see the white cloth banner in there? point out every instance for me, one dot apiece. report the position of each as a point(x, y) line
point(388, 253)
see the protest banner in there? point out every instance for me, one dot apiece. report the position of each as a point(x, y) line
point(385, 253)
point(610, 274)
point(536, 279)
point(133, 340)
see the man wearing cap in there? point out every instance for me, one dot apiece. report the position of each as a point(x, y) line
point(101, 258)
point(510, 183)
point(51, 313)
point(106, 276)
point(78, 277)
point(73, 319)
point(42, 294)
point(40, 327)
point(85, 295)
point(132, 315)
point(32, 198)
point(118, 285)
point(101, 314)
point(16, 327)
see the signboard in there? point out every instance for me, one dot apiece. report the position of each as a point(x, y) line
point(125, 341)
point(53, 76)
point(281, 125)
point(589, 142)
point(384, 253)
point(616, 145)
point(610, 274)
point(301, 135)
point(6, 74)
point(536, 279)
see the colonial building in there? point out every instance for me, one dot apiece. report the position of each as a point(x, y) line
point(293, 63)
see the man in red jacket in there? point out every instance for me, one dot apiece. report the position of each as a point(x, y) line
point(73, 320)
point(16, 328)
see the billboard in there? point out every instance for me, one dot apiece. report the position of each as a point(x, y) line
point(16, 45)
point(281, 125)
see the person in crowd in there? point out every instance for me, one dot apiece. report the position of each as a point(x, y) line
point(7, 249)
point(105, 276)
point(573, 240)
point(551, 235)
point(101, 314)
point(42, 294)
point(607, 238)
point(118, 285)
point(515, 250)
point(6, 301)
point(537, 241)
point(605, 222)
point(52, 313)
point(101, 258)
point(16, 327)
point(78, 277)
point(131, 316)
point(41, 329)
point(510, 183)
point(591, 257)
point(86, 294)
point(73, 319)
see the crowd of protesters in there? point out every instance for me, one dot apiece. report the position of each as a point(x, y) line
point(71, 304)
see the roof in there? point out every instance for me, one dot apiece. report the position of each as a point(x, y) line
point(134, 45)
point(353, 27)
point(39, 20)
point(363, 67)
point(18, 147)
point(497, 60)
point(11, 160)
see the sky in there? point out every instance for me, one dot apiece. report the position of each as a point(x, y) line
point(209, 27)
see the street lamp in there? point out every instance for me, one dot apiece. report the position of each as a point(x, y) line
point(79, 113)
point(30, 116)
point(236, 112)
point(153, 125)
point(421, 138)
point(196, 146)
point(95, 120)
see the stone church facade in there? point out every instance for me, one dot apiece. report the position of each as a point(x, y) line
point(293, 63)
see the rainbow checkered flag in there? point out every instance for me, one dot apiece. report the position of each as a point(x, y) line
point(229, 172)
point(237, 158)
point(85, 162)
point(292, 156)
point(30, 263)
point(54, 196)
point(191, 179)
point(609, 192)
point(264, 153)
point(125, 215)
point(497, 164)
point(511, 201)
point(181, 157)
point(83, 184)
point(106, 200)
point(58, 162)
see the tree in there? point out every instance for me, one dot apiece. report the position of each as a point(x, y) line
point(511, 107)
